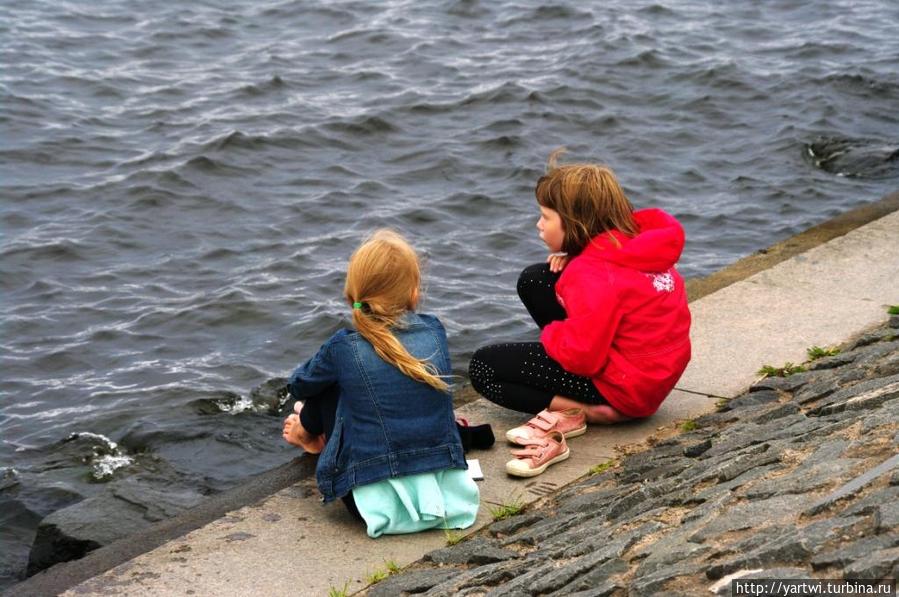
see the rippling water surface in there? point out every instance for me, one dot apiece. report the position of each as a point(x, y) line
point(182, 186)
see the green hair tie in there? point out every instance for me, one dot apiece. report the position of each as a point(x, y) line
point(357, 305)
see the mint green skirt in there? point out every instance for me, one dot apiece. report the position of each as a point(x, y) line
point(446, 499)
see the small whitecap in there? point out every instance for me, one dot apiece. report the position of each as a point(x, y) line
point(105, 466)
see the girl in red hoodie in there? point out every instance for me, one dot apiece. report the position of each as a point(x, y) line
point(611, 306)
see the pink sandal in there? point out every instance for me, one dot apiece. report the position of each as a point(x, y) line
point(570, 423)
point(538, 454)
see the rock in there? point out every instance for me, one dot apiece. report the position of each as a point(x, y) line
point(413, 581)
point(589, 502)
point(548, 527)
point(783, 384)
point(557, 578)
point(694, 450)
point(515, 524)
point(868, 400)
point(818, 390)
point(601, 546)
point(490, 575)
point(838, 360)
point(853, 486)
point(846, 554)
point(475, 552)
point(787, 547)
point(746, 458)
point(789, 408)
point(753, 398)
point(871, 338)
point(127, 506)
point(871, 388)
point(654, 583)
point(70, 533)
point(751, 515)
point(881, 564)
point(886, 367)
point(598, 582)
point(270, 395)
point(803, 480)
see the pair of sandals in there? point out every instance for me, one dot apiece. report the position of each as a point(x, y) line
point(543, 440)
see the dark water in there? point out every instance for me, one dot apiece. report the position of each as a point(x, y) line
point(183, 185)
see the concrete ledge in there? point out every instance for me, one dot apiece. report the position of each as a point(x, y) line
point(817, 235)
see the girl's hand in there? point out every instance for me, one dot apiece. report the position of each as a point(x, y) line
point(557, 262)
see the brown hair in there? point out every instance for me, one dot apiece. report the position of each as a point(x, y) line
point(382, 282)
point(589, 201)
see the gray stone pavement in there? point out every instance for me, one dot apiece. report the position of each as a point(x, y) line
point(796, 479)
point(823, 296)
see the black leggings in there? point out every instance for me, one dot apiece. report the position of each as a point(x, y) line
point(520, 375)
point(317, 417)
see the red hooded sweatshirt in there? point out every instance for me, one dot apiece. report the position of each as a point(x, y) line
point(628, 325)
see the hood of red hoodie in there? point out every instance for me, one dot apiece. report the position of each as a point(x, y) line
point(656, 248)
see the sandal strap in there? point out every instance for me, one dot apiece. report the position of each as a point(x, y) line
point(532, 451)
point(544, 421)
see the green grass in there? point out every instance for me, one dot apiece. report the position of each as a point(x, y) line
point(602, 466)
point(893, 310)
point(332, 592)
point(818, 352)
point(379, 575)
point(787, 370)
point(452, 537)
point(721, 403)
point(376, 576)
point(506, 510)
point(688, 425)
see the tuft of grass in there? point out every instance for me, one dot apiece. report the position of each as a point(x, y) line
point(506, 510)
point(334, 592)
point(376, 576)
point(602, 466)
point(787, 370)
point(452, 537)
point(893, 310)
point(818, 352)
point(721, 403)
point(688, 425)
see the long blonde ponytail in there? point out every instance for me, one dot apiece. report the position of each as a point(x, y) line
point(382, 283)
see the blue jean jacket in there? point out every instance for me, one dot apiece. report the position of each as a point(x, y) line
point(387, 424)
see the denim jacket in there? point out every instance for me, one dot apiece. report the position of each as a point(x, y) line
point(387, 424)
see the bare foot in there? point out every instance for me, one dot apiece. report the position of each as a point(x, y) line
point(294, 434)
point(597, 414)
point(603, 414)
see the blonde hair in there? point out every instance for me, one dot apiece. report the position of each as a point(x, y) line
point(588, 199)
point(382, 283)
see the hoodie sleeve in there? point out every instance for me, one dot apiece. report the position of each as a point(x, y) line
point(581, 342)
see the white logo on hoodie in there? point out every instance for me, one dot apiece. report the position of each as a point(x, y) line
point(662, 282)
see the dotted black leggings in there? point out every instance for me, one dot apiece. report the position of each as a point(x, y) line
point(520, 375)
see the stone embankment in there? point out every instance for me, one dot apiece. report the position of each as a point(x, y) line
point(797, 478)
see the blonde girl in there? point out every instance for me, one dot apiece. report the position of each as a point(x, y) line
point(376, 403)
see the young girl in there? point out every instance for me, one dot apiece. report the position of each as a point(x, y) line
point(613, 313)
point(377, 406)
